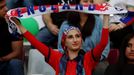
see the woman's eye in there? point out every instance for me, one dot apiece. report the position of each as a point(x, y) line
point(77, 35)
point(70, 37)
point(129, 45)
point(85, 0)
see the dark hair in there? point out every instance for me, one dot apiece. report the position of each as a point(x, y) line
point(2, 0)
point(77, 1)
point(122, 56)
point(88, 26)
point(73, 18)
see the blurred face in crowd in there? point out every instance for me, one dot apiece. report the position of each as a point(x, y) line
point(130, 50)
point(3, 8)
point(73, 40)
point(85, 2)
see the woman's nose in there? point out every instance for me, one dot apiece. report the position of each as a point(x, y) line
point(5, 8)
point(75, 39)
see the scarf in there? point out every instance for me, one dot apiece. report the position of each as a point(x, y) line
point(78, 59)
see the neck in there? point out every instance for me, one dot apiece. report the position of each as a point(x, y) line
point(83, 19)
point(72, 54)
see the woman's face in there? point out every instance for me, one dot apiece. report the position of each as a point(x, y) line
point(3, 8)
point(130, 50)
point(85, 2)
point(73, 40)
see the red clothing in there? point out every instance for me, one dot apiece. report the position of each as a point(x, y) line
point(55, 56)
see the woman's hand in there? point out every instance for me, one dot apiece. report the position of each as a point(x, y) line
point(114, 27)
point(18, 24)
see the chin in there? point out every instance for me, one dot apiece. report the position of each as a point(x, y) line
point(131, 58)
point(76, 49)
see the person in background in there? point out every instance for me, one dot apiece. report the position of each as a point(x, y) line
point(10, 47)
point(101, 67)
point(74, 61)
point(49, 33)
point(14, 3)
point(121, 23)
point(125, 64)
point(11, 4)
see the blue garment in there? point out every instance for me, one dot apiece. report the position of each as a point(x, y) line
point(18, 3)
point(14, 3)
point(12, 67)
point(23, 3)
point(90, 41)
point(46, 37)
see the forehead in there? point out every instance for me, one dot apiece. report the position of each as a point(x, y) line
point(87, 0)
point(2, 3)
point(131, 40)
point(73, 32)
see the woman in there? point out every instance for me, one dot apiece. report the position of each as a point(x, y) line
point(90, 26)
point(73, 61)
point(125, 65)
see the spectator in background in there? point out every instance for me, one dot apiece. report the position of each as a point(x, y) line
point(125, 65)
point(14, 3)
point(10, 47)
point(121, 24)
point(74, 61)
point(48, 34)
point(24, 3)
